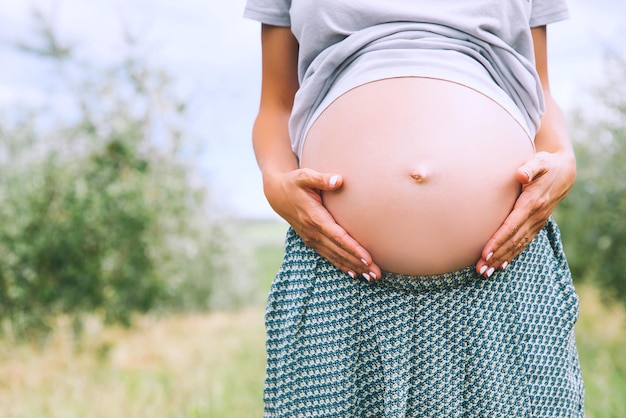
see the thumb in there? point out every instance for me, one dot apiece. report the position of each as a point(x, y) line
point(333, 181)
point(530, 171)
point(321, 181)
point(524, 174)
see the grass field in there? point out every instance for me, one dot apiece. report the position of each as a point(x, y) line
point(211, 365)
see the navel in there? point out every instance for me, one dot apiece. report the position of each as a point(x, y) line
point(419, 175)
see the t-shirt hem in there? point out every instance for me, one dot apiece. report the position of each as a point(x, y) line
point(552, 17)
point(269, 17)
point(474, 78)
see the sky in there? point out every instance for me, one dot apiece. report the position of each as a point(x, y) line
point(213, 54)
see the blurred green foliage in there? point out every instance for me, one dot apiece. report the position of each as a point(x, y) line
point(102, 209)
point(593, 216)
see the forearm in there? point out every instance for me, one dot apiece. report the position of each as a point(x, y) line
point(553, 137)
point(270, 135)
point(272, 149)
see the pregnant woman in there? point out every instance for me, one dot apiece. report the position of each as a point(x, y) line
point(417, 154)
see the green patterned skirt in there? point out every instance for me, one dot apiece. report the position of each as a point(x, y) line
point(450, 345)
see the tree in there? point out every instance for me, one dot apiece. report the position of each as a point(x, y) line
point(593, 216)
point(98, 205)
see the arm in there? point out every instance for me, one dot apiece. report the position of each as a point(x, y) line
point(292, 192)
point(546, 178)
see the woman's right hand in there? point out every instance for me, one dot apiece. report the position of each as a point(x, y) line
point(296, 197)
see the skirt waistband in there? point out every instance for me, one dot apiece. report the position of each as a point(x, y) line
point(435, 282)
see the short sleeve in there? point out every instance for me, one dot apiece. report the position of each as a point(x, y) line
point(271, 12)
point(548, 11)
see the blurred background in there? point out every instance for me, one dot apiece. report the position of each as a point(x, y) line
point(136, 247)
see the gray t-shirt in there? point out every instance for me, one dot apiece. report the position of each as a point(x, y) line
point(484, 44)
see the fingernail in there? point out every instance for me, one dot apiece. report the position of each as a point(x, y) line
point(483, 269)
point(527, 174)
point(364, 261)
point(351, 274)
point(333, 180)
point(490, 272)
point(367, 277)
point(373, 275)
point(505, 265)
point(489, 256)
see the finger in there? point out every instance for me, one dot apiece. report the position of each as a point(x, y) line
point(532, 170)
point(509, 228)
point(345, 259)
point(346, 262)
point(509, 248)
point(330, 240)
point(525, 220)
point(357, 256)
point(321, 181)
point(499, 249)
point(518, 243)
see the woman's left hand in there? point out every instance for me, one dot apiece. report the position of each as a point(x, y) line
point(546, 179)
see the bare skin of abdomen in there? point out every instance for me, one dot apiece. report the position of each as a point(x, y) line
point(429, 170)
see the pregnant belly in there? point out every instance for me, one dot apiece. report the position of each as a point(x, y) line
point(428, 166)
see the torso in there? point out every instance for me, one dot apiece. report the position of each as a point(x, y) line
point(428, 169)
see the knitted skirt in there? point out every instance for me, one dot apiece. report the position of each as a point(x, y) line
point(450, 345)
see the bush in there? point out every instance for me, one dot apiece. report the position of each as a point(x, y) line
point(101, 211)
point(593, 216)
